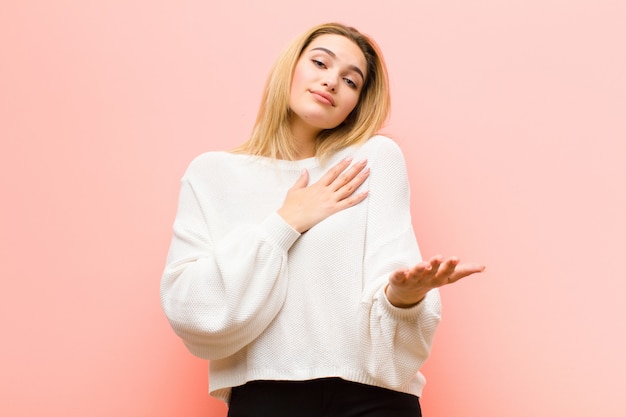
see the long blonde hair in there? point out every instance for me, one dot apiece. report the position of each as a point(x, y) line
point(271, 135)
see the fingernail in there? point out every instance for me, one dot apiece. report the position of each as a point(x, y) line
point(347, 159)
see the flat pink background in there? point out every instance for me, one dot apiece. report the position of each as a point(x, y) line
point(511, 114)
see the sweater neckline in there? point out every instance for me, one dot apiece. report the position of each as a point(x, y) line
point(299, 164)
point(308, 163)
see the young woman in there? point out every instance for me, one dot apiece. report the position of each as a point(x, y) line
point(294, 267)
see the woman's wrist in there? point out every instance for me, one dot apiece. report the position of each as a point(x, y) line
point(400, 301)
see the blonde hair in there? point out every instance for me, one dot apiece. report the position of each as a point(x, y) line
point(271, 135)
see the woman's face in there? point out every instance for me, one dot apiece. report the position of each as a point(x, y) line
point(327, 82)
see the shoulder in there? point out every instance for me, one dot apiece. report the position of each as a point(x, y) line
point(387, 163)
point(382, 148)
point(210, 163)
point(208, 158)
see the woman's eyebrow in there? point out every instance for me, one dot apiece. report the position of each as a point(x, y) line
point(332, 54)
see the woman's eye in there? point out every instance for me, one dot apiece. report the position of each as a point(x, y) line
point(350, 83)
point(319, 63)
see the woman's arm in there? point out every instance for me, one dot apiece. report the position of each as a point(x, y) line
point(396, 341)
point(220, 295)
point(401, 307)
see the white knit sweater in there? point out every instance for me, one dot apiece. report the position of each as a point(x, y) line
point(261, 301)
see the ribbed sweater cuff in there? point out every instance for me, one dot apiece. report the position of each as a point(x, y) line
point(399, 313)
point(278, 232)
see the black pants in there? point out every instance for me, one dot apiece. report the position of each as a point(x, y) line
point(327, 397)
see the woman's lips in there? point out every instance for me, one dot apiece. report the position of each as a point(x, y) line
point(323, 97)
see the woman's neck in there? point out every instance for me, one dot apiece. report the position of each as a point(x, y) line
point(304, 137)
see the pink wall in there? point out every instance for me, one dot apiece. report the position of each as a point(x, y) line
point(512, 115)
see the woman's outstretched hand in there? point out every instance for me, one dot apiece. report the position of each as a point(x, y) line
point(407, 287)
point(305, 206)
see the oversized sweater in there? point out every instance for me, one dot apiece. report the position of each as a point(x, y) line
point(261, 301)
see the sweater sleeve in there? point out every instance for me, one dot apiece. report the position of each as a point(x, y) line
point(220, 295)
point(396, 341)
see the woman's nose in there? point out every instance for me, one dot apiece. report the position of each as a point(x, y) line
point(330, 83)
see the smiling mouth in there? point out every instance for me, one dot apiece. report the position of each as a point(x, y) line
point(323, 97)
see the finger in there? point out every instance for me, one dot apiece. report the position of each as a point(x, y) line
point(447, 268)
point(351, 186)
point(346, 178)
point(352, 200)
point(465, 270)
point(419, 270)
point(398, 277)
point(434, 263)
point(332, 174)
point(303, 179)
